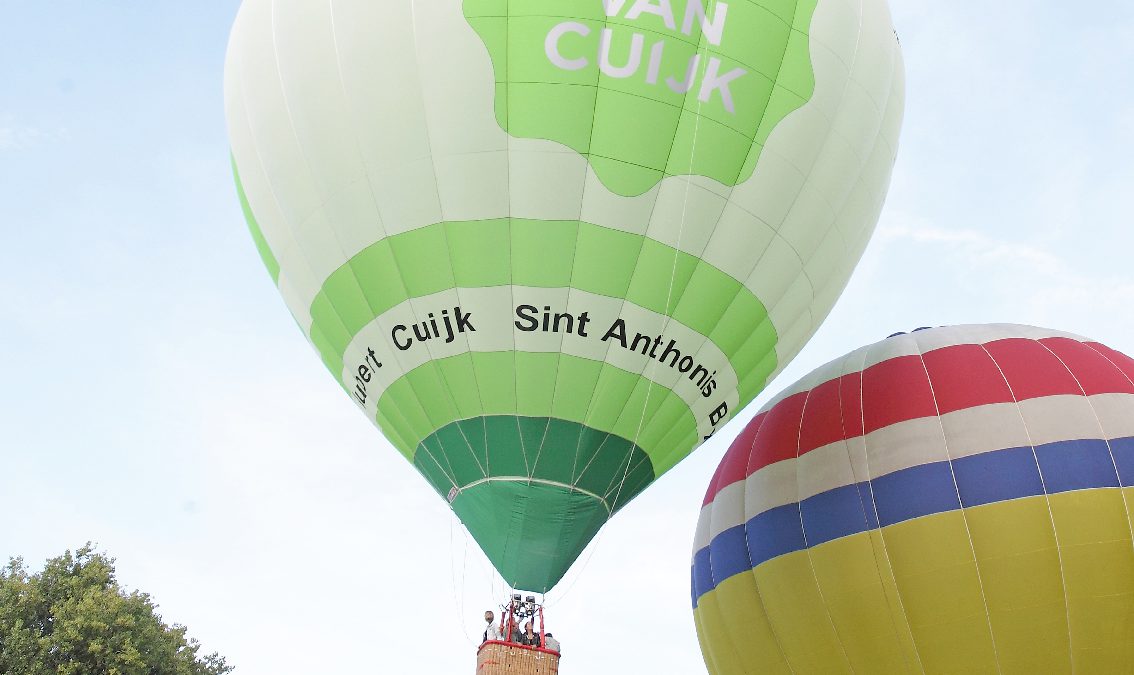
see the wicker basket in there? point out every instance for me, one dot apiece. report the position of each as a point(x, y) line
point(501, 658)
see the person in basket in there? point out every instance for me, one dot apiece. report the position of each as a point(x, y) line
point(491, 631)
point(529, 638)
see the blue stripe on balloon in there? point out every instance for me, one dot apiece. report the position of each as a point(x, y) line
point(1123, 451)
point(838, 513)
point(774, 533)
point(986, 478)
point(1076, 465)
point(915, 492)
point(997, 476)
point(728, 554)
point(702, 574)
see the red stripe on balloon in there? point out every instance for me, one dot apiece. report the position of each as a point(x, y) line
point(895, 391)
point(1095, 373)
point(734, 465)
point(1031, 369)
point(779, 435)
point(823, 417)
point(850, 388)
point(905, 388)
point(965, 376)
point(1120, 360)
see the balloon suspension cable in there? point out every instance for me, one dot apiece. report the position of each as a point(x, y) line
point(516, 611)
point(542, 638)
point(459, 592)
point(577, 574)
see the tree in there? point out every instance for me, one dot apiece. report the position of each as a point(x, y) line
point(74, 619)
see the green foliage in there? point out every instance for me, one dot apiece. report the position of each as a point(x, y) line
point(74, 619)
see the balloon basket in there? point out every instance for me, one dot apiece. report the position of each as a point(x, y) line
point(502, 658)
point(509, 656)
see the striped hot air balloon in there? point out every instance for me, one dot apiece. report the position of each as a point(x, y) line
point(954, 500)
point(549, 246)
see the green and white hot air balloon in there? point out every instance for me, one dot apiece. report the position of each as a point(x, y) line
point(550, 246)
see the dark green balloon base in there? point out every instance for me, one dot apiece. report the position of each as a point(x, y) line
point(531, 532)
point(532, 491)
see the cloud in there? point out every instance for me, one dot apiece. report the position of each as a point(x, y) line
point(1034, 283)
point(14, 136)
point(978, 246)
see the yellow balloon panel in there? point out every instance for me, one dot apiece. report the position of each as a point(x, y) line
point(904, 600)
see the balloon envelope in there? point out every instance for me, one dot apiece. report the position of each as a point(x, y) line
point(954, 500)
point(549, 247)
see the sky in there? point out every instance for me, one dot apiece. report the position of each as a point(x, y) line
point(156, 397)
